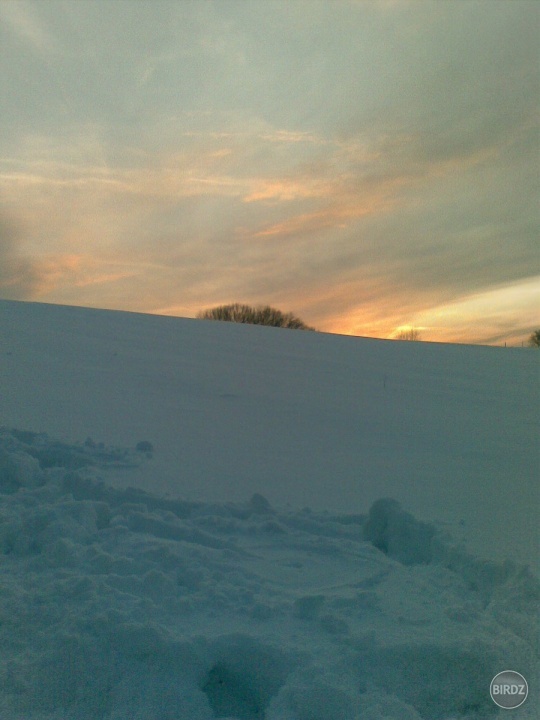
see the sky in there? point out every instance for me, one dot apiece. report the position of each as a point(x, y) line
point(370, 166)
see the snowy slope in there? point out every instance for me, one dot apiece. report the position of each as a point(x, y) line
point(255, 572)
point(309, 419)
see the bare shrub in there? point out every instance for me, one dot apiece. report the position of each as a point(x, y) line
point(534, 339)
point(408, 334)
point(261, 315)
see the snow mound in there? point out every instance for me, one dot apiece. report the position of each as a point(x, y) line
point(117, 604)
point(399, 534)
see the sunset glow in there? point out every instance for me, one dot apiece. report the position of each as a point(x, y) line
point(368, 166)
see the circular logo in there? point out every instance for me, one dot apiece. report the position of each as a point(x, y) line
point(509, 689)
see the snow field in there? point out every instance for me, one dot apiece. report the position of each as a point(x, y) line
point(306, 419)
point(119, 604)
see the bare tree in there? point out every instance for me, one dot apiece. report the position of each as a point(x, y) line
point(534, 339)
point(409, 334)
point(261, 315)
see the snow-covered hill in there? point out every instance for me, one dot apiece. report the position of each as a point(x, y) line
point(254, 571)
point(307, 419)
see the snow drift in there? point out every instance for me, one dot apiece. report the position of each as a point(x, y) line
point(117, 603)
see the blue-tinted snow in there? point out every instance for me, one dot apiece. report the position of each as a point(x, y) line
point(210, 590)
point(122, 604)
point(304, 418)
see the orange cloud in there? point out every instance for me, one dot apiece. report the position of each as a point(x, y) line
point(332, 216)
point(286, 190)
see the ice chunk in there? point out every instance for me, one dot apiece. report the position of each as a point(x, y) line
point(398, 534)
point(17, 470)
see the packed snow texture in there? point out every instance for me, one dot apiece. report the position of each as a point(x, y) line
point(261, 524)
point(121, 605)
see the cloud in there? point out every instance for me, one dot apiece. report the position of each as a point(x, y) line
point(19, 275)
point(352, 162)
point(488, 317)
point(23, 20)
point(347, 243)
point(24, 276)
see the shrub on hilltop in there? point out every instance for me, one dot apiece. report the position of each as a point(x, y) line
point(261, 315)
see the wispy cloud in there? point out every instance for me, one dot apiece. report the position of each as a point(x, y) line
point(23, 20)
point(360, 163)
point(19, 274)
point(487, 317)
